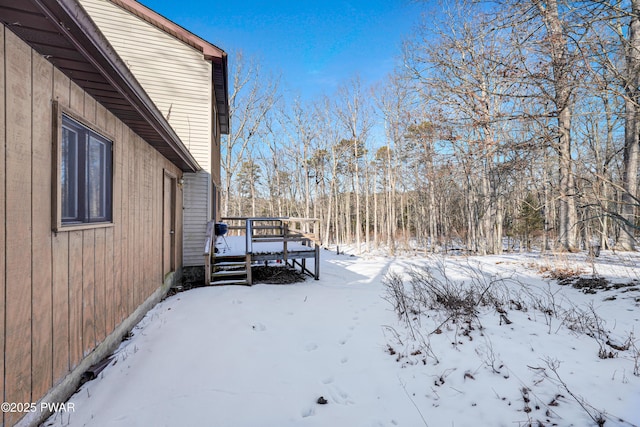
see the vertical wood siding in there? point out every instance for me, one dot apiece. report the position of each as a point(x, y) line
point(41, 265)
point(18, 249)
point(60, 251)
point(62, 294)
point(2, 219)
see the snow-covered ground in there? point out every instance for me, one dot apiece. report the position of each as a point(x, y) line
point(263, 356)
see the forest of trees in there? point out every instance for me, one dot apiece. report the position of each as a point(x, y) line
point(507, 124)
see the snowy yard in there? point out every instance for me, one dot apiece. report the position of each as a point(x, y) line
point(262, 356)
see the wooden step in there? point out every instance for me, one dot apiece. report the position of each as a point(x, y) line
point(224, 272)
point(228, 282)
point(229, 270)
point(229, 264)
point(227, 258)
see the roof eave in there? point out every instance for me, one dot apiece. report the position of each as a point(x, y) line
point(69, 18)
point(222, 94)
point(209, 50)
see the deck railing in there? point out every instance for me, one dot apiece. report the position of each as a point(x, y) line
point(270, 229)
point(209, 244)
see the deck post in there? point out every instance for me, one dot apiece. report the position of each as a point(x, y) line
point(249, 278)
point(209, 248)
point(285, 233)
point(317, 263)
point(207, 269)
point(248, 236)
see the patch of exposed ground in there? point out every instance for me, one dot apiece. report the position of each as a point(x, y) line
point(591, 285)
point(276, 275)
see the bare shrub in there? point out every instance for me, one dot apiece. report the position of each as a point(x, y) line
point(635, 353)
point(459, 301)
point(545, 302)
point(397, 294)
point(408, 309)
point(560, 268)
point(588, 322)
point(598, 417)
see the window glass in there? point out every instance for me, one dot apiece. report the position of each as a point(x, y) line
point(97, 178)
point(85, 174)
point(69, 174)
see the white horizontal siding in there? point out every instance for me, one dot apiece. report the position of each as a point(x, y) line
point(196, 214)
point(175, 76)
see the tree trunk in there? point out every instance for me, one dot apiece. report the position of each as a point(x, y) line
point(367, 208)
point(432, 209)
point(568, 216)
point(559, 51)
point(626, 240)
point(391, 207)
point(356, 189)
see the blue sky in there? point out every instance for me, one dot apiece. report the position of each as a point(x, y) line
point(315, 45)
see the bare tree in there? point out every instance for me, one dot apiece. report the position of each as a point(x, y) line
point(253, 95)
point(510, 124)
point(394, 99)
point(354, 115)
point(630, 203)
point(465, 69)
point(615, 47)
point(556, 45)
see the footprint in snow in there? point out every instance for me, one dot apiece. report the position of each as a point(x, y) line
point(308, 412)
point(259, 327)
point(339, 396)
point(311, 346)
point(327, 380)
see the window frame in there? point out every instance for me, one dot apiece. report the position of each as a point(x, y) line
point(58, 222)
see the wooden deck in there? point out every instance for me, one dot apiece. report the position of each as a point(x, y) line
point(228, 259)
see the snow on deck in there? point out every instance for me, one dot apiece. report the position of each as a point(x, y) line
point(237, 245)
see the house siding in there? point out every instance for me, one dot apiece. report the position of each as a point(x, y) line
point(2, 216)
point(18, 311)
point(179, 81)
point(176, 76)
point(196, 214)
point(63, 294)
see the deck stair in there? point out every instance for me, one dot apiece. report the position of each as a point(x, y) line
point(230, 270)
point(295, 240)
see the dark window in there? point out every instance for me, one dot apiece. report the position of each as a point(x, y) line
point(85, 174)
